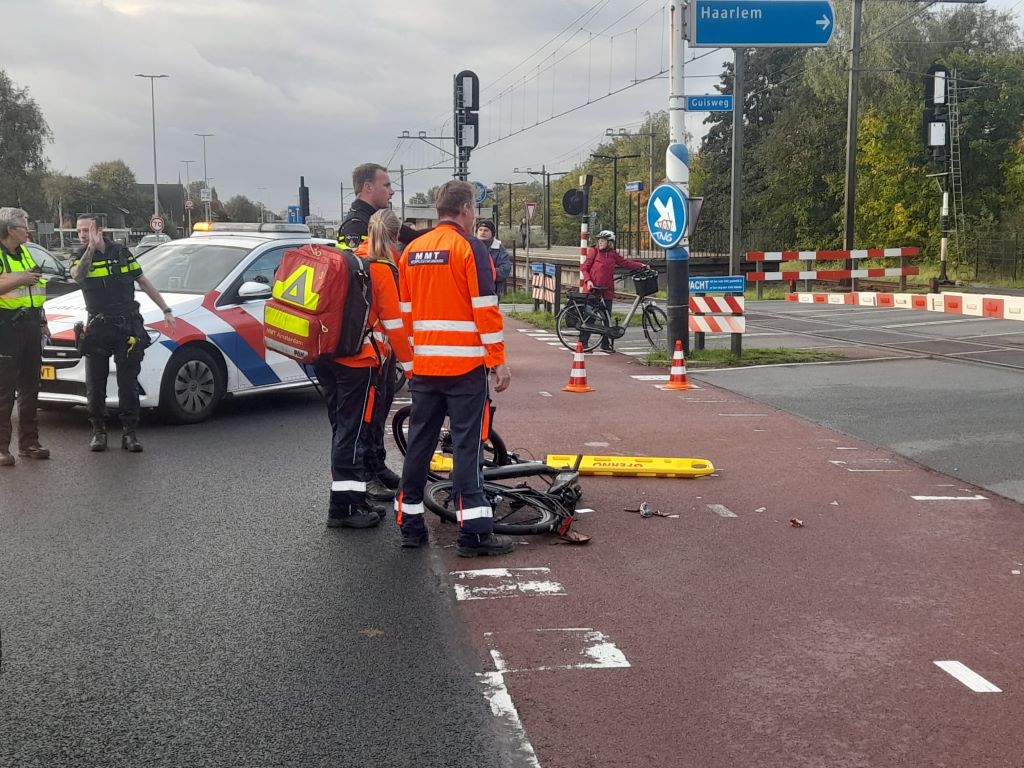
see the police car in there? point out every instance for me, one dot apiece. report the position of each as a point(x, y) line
point(217, 282)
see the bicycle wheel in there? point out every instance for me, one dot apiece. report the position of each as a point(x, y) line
point(495, 451)
point(655, 323)
point(400, 379)
point(568, 321)
point(516, 511)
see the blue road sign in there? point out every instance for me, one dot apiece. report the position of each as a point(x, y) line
point(718, 102)
point(666, 215)
point(634, 186)
point(293, 215)
point(760, 23)
point(481, 192)
point(731, 284)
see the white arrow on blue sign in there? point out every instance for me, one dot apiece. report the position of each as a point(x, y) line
point(666, 215)
point(719, 102)
point(760, 23)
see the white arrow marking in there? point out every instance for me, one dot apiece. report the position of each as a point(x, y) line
point(823, 22)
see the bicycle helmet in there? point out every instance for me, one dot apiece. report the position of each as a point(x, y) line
point(606, 234)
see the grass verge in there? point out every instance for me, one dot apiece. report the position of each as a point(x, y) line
point(543, 320)
point(723, 358)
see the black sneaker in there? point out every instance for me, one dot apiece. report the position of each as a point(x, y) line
point(35, 452)
point(414, 537)
point(376, 490)
point(488, 544)
point(389, 479)
point(361, 518)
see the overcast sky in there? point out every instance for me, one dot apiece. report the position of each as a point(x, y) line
point(315, 87)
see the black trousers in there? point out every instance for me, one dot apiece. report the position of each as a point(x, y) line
point(347, 392)
point(375, 455)
point(606, 341)
point(103, 340)
point(20, 358)
point(463, 399)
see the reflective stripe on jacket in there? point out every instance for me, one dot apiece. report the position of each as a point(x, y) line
point(450, 309)
point(385, 319)
point(24, 296)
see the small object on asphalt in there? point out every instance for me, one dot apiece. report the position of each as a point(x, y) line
point(761, 509)
point(834, 503)
point(644, 510)
point(572, 537)
point(796, 523)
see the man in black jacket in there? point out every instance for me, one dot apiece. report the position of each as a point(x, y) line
point(373, 190)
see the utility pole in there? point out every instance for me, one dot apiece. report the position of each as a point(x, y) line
point(206, 176)
point(188, 191)
point(677, 169)
point(152, 97)
point(736, 196)
point(545, 174)
point(510, 184)
point(615, 184)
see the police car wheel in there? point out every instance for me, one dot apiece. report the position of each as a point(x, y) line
point(192, 386)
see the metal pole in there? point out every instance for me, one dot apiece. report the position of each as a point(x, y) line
point(206, 175)
point(152, 102)
point(615, 195)
point(547, 202)
point(188, 191)
point(851, 133)
point(736, 198)
point(677, 162)
point(401, 176)
point(341, 198)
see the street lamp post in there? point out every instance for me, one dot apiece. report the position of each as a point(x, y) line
point(152, 101)
point(188, 191)
point(206, 178)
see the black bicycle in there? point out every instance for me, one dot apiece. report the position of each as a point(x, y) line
point(520, 509)
point(495, 452)
point(585, 318)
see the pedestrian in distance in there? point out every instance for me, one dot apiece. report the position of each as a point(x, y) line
point(450, 310)
point(524, 229)
point(22, 333)
point(350, 385)
point(486, 231)
point(373, 193)
point(108, 274)
point(598, 274)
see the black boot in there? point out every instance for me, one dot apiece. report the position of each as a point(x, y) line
point(130, 442)
point(99, 436)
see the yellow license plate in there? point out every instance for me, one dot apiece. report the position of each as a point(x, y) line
point(48, 373)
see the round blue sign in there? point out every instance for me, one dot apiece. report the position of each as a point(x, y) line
point(667, 213)
point(481, 192)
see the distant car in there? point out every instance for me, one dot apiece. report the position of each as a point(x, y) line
point(217, 282)
point(149, 242)
point(58, 282)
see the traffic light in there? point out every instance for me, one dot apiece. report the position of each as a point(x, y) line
point(467, 119)
point(936, 113)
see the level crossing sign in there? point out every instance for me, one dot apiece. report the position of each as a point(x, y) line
point(530, 208)
point(666, 215)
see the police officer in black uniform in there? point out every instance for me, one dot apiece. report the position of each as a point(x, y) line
point(373, 190)
point(108, 272)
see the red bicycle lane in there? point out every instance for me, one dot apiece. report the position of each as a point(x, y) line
point(794, 613)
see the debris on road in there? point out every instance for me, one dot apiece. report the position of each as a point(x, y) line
point(796, 523)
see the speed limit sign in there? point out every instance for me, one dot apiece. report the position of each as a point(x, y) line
point(189, 205)
point(156, 223)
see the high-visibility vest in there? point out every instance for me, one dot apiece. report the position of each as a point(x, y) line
point(24, 296)
point(450, 309)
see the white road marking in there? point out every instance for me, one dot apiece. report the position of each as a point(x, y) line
point(504, 709)
point(880, 461)
point(843, 448)
point(592, 645)
point(651, 377)
point(743, 414)
point(820, 362)
point(949, 498)
point(544, 394)
point(504, 582)
point(967, 676)
point(721, 510)
point(597, 444)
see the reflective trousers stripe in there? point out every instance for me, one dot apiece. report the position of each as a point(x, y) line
point(408, 509)
point(348, 485)
point(474, 513)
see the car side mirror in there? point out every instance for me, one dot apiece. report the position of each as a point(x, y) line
point(251, 290)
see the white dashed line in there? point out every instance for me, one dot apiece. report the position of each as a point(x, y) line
point(967, 676)
point(949, 498)
point(490, 583)
point(500, 699)
point(651, 377)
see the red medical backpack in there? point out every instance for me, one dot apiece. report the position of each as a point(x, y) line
point(320, 305)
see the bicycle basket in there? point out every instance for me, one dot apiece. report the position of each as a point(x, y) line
point(645, 281)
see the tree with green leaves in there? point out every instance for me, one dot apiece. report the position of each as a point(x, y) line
point(23, 135)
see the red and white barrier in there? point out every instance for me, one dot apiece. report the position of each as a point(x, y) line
point(950, 303)
point(717, 314)
point(869, 253)
point(833, 274)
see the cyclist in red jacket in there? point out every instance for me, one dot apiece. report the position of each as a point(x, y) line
point(598, 273)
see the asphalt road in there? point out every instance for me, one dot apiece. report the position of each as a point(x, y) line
point(187, 607)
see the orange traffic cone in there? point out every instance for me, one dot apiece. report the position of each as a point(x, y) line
point(578, 374)
point(677, 379)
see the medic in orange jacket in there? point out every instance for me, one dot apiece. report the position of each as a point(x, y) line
point(385, 320)
point(448, 303)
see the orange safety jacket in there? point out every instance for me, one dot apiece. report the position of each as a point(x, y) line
point(450, 309)
point(385, 320)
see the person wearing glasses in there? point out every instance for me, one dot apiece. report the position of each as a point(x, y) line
point(22, 329)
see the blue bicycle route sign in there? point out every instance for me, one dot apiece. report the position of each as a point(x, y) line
point(730, 284)
point(666, 215)
point(760, 23)
point(713, 102)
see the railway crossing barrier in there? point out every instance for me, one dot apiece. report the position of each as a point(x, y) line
point(718, 314)
point(807, 258)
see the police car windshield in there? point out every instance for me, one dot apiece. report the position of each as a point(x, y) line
point(188, 266)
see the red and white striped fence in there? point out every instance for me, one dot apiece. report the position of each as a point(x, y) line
point(902, 271)
point(717, 314)
point(973, 304)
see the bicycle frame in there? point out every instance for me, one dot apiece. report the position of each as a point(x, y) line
point(618, 330)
